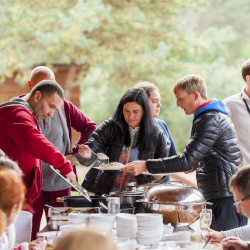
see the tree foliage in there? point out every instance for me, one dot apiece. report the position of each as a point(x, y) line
point(121, 42)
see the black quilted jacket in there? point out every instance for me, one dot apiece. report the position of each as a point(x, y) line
point(108, 139)
point(213, 147)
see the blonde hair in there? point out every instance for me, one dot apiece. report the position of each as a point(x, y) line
point(147, 86)
point(86, 239)
point(12, 192)
point(192, 83)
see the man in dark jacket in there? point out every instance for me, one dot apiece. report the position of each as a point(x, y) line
point(212, 149)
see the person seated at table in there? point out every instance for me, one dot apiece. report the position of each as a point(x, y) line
point(130, 134)
point(85, 239)
point(7, 164)
point(235, 238)
point(12, 193)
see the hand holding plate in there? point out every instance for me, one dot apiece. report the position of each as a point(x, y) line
point(135, 167)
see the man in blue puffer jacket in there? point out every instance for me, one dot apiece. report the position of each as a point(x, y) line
point(212, 150)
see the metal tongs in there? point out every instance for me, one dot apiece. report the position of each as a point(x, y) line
point(77, 187)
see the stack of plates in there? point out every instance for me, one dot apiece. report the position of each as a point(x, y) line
point(66, 229)
point(102, 222)
point(168, 229)
point(149, 228)
point(126, 226)
point(75, 218)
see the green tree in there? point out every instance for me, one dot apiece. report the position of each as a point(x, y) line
point(119, 42)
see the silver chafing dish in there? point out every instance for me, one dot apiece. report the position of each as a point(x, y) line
point(179, 204)
point(128, 198)
point(145, 187)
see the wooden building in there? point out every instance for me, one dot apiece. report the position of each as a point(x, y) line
point(11, 89)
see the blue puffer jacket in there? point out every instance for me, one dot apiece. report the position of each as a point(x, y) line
point(213, 147)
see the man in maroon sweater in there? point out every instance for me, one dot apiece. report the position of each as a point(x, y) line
point(57, 130)
point(22, 141)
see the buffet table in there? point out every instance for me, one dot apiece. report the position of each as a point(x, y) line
point(195, 237)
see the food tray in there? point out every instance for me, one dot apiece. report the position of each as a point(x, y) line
point(56, 214)
point(57, 219)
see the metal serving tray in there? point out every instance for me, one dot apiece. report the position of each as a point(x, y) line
point(57, 220)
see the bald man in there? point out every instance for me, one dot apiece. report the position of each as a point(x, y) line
point(39, 74)
point(57, 130)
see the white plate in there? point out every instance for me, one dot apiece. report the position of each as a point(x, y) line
point(111, 166)
point(117, 166)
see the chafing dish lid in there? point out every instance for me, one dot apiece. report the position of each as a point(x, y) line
point(174, 194)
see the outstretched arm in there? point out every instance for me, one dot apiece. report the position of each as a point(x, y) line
point(235, 244)
point(135, 167)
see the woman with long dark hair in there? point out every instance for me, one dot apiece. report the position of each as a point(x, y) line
point(130, 134)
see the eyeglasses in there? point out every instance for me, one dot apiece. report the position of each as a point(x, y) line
point(237, 203)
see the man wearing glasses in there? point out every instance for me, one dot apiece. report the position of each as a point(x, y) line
point(240, 186)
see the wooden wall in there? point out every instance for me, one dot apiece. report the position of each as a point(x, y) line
point(11, 89)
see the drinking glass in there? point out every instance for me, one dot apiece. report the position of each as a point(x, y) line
point(209, 211)
point(205, 221)
point(113, 205)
